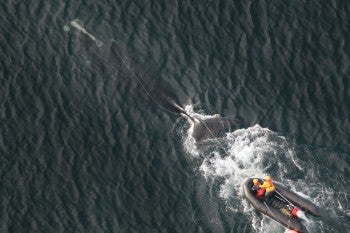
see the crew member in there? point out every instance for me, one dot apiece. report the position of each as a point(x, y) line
point(268, 186)
point(259, 192)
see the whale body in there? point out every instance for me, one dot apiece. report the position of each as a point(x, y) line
point(213, 127)
point(163, 95)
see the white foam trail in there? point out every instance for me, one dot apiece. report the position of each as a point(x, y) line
point(190, 143)
point(249, 151)
point(74, 23)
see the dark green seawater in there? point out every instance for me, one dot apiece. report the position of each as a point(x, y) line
point(83, 147)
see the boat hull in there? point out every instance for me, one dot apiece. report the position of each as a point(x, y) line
point(278, 207)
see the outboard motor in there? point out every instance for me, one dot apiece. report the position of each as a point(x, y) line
point(298, 213)
point(295, 212)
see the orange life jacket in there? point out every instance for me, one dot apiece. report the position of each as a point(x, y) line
point(268, 185)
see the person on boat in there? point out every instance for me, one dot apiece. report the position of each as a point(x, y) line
point(256, 184)
point(268, 186)
point(259, 192)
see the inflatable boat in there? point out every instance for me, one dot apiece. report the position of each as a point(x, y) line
point(284, 206)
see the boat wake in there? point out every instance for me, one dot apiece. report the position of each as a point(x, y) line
point(226, 161)
point(241, 154)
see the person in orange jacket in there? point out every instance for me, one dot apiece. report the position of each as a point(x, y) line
point(268, 186)
point(259, 192)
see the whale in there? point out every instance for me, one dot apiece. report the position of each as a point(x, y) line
point(210, 127)
point(214, 127)
point(164, 96)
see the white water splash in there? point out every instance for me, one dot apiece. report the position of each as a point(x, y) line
point(252, 152)
point(190, 143)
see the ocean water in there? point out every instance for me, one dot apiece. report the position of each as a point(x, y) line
point(87, 145)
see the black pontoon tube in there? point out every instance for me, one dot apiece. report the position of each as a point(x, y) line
point(284, 199)
point(297, 200)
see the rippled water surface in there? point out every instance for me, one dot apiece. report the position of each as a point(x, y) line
point(87, 143)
